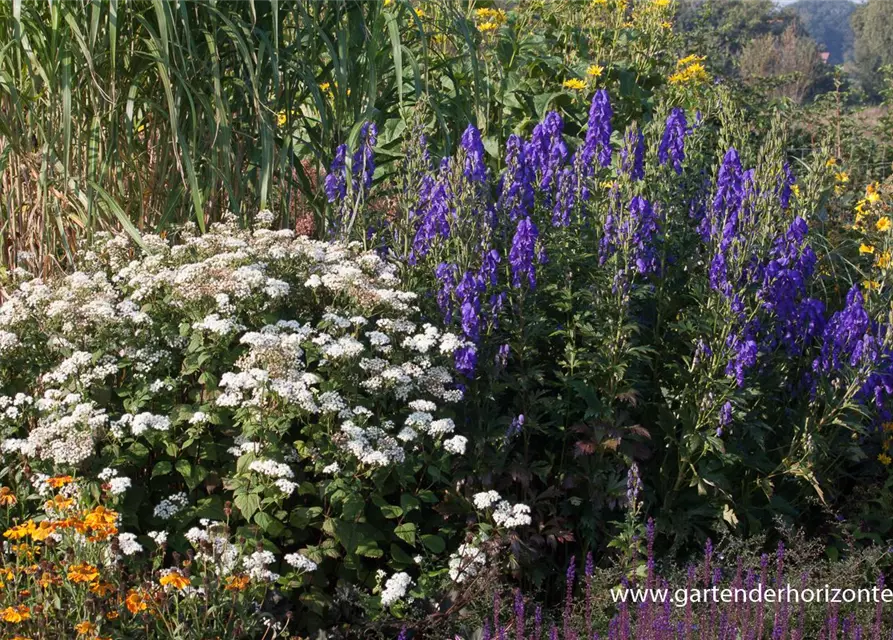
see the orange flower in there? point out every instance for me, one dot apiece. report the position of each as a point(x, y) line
point(19, 531)
point(101, 523)
point(174, 579)
point(83, 573)
point(85, 627)
point(47, 580)
point(15, 615)
point(59, 481)
point(58, 503)
point(111, 615)
point(101, 588)
point(236, 583)
point(136, 602)
point(7, 497)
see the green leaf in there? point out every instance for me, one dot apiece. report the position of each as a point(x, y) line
point(162, 468)
point(435, 544)
point(406, 532)
point(248, 504)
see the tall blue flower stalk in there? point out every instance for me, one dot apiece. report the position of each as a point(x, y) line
point(672, 143)
point(597, 144)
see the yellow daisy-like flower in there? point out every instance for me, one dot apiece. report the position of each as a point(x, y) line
point(595, 70)
point(831, 162)
point(883, 224)
point(666, 25)
point(281, 118)
point(882, 260)
point(795, 189)
point(574, 84)
point(174, 579)
point(871, 285)
point(488, 27)
point(884, 459)
point(85, 627)
point(873, 198)
point(388, 3)
point(7, 497)
point(866, 248)
point(20, 531)
point(842, 177)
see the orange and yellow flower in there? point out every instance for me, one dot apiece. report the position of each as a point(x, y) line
point(7, 497)
point(236, 583)
point(174, 579)
point(85, 627)
point(15, 614)
point(58, 482)
point(136, 602)
point(82, 573)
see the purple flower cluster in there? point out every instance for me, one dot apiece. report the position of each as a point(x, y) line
point(475, 166)
point(632, 156)
point(523, 254)
point(788, 180)
point(517, 189)
point(547, 151)
point(672, 143)
point(598, 135)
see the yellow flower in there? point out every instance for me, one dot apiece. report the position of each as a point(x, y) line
point(20, 531)
point(842, 177)
point(82, 573)
point(574, 84)
point(871, 285)
point(388, 3)
point(7, 497)
point(111, 615)
point(795, 189)
point(666, 25)
point(487, 27)
point(687, 60)
point(174, 579)
point(487, 14)
point(866, 248)
point(882, 260)
point(883, 224)
point(884, 459)
point(85, 627)
point(831, 162)
point(15, 615)
point(873, 198)
point(419, 12)
point(661, 3)
point(594, 70)
point(693, 73)
point(281, 118)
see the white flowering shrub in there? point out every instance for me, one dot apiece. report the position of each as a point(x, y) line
point(285, 385)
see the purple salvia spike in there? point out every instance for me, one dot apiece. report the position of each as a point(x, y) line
point(569, 594)
point(538, 623)
point(485, 632)
point(590, 568)
point(832, 622)
point(689, 613)
point(519, 615)
point(764, 577)
point(497, 609)
point(879, 610)
point(553, 634)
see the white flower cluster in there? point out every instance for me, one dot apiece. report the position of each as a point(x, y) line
point(65, 432)
point(117, 485)
point(466, 563)
point(171, 506)
point(300, 562)
point(505, 514)
point(395, 589)
point(256, 566)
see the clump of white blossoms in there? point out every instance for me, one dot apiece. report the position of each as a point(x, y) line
point(250, 365)
point(395, 589)
point(504, 513)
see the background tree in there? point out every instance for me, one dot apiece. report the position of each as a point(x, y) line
point(788, 63)
point(873, 46)
point(828, 23)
